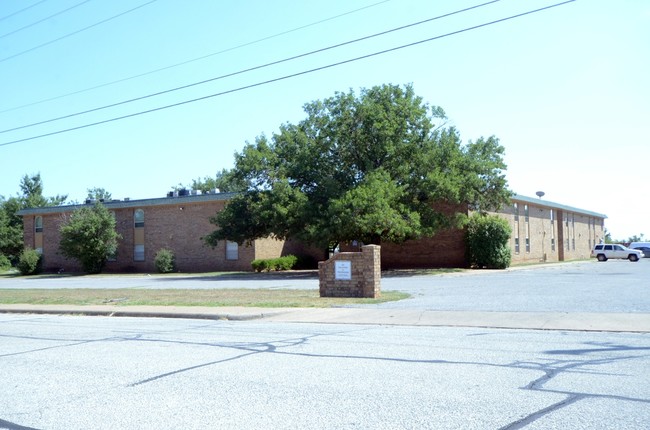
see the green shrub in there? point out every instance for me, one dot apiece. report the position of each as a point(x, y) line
point(88, 235)
point(29, 262)
point(488, 240)
point(5, 264)
point(164, 261)
point(283, 263)
point(260, 265)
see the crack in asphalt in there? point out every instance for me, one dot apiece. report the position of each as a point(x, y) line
point(550, 368)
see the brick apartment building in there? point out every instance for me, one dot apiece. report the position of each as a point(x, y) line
point(542, 231)
point(176, 222)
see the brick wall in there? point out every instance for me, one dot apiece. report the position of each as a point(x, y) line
point(178, 226)
point(568, 236)
point(445, 249)
point(365, 274)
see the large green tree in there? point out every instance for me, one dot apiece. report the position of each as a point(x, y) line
point(89, 236)
point(11, 224)
point(98, 194)
point(370, 167)
point(225, 181)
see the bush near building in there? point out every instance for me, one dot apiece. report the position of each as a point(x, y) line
point(5, 264)
point(29, 262)
point(165, 261)
point(276, 264)
point(488, 239)
point(89, 236)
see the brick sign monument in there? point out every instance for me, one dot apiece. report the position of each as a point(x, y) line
point(352, 274)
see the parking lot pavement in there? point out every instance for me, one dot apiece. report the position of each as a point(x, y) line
point(588, 296)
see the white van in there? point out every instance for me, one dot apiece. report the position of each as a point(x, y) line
point(641, 246)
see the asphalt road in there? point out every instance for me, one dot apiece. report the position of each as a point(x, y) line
point(72, 372)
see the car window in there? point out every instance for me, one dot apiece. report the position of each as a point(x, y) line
point(599, 247)
point(618, 248)
point(608, 247)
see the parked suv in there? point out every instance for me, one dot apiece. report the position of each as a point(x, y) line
point(604, 251)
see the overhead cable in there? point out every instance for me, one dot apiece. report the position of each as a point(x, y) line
point(43, 19)
point(74, 32)
point(203, 57)
point(21, 10)
point(286, 76)
point(273, 63)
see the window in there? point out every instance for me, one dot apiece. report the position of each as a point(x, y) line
point(232, 250)
point(552, 231)
point(139, 218)
point(38, 224)
point(138, 235)
point(138, 253)
point(526, 216)
point(516, 208)
point(573, 231)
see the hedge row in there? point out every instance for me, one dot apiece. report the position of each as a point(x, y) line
point(283, 263)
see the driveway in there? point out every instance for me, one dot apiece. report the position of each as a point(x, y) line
point(609, 287)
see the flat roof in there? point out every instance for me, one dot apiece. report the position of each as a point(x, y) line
point(553, 205)
point(127, 203)
point(197, 198)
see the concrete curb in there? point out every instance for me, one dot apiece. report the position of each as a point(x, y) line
point(611, 322)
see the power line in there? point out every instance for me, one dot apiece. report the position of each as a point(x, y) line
point(74, 32)
point(203, 57)
point(287, 76)
point(249, 69)
point(21, 10)
point(44, 19)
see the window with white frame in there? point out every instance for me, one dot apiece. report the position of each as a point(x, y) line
point(232, 250)
point(138, 253)
point(138, 218)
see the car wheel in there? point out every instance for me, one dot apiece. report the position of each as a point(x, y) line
point(633, 257)
point(601, 257)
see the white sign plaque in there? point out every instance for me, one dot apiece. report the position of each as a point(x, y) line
point(343, 270)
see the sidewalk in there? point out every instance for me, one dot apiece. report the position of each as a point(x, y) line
point(615, 322)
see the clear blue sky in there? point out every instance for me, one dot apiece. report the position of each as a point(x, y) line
point(566, 90)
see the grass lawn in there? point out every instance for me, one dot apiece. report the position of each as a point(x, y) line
point(215, 297)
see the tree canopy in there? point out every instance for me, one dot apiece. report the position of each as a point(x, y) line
point(11, 225)
point(98, 194)
point(225, 181)
point(89, 236)
point(370, 167)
